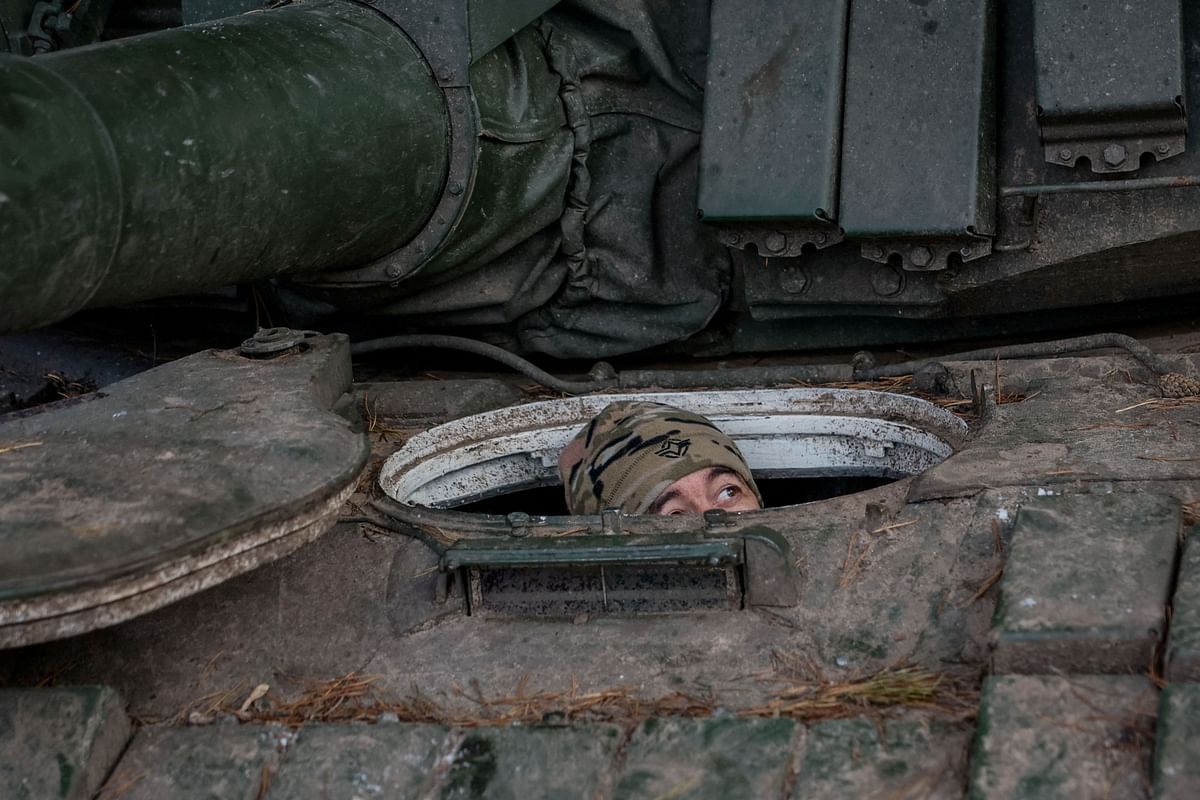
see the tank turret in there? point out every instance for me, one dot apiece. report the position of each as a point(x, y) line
point(583, 183)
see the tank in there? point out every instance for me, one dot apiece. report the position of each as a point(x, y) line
point(295, 567)
point(583, 183)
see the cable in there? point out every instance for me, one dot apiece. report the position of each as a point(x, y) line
point(1154, 362)
point(486, 350)
point(751, 376)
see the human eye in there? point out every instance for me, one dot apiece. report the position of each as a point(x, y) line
point(729, 492)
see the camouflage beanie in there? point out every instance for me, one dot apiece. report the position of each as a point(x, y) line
point(634, 450)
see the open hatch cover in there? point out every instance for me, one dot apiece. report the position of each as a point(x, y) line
point(170, 482)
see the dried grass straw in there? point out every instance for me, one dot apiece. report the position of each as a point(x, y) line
point(354, 698)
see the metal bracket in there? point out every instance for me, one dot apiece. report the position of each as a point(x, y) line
point(56, 25)
point(780, 241)
point(47, 23)
point(1016, 223)
point(1065, 143)
point(927, 255)
point(771, 576)
point(269, 342)
point(983, 400)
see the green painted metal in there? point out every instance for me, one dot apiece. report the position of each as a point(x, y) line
point(589, 550)
point(1176, 770)
point(14, 18)
point(60, 194)
point(303, 138)
point(195, 11)
point(1062, 608)
point(918, 149)
point(59, 743)
point(1181, 662)
point(773, 111)
point(1108, 56)
point(1110, 82)
point(711, 759)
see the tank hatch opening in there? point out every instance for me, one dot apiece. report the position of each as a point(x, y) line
point(551, 564)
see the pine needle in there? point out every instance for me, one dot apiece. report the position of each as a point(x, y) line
point(353, 698)
point(21, 446)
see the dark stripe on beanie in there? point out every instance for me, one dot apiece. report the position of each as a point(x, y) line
point(692, 421)
point(635, 445)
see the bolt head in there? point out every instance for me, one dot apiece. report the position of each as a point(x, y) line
point(965, 251)
point(873, 251)
point(920, 256)
point(820, 238)
point(1163, 149)
point(886, 280)
point(776, 242)
point(862, 360)
point(793, 280)
point(393, 271)
point(1064, 155)
point(456, 188)
point(1114, 155)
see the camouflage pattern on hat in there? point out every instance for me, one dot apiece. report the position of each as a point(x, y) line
point(634, 450)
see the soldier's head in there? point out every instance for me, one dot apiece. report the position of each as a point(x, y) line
point(649, 458)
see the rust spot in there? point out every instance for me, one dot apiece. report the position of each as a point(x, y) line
point(765, 81)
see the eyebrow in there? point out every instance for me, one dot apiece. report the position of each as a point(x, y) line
point(662, 500)
point(671, 494)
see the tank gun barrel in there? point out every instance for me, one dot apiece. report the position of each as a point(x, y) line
point(305, 138)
